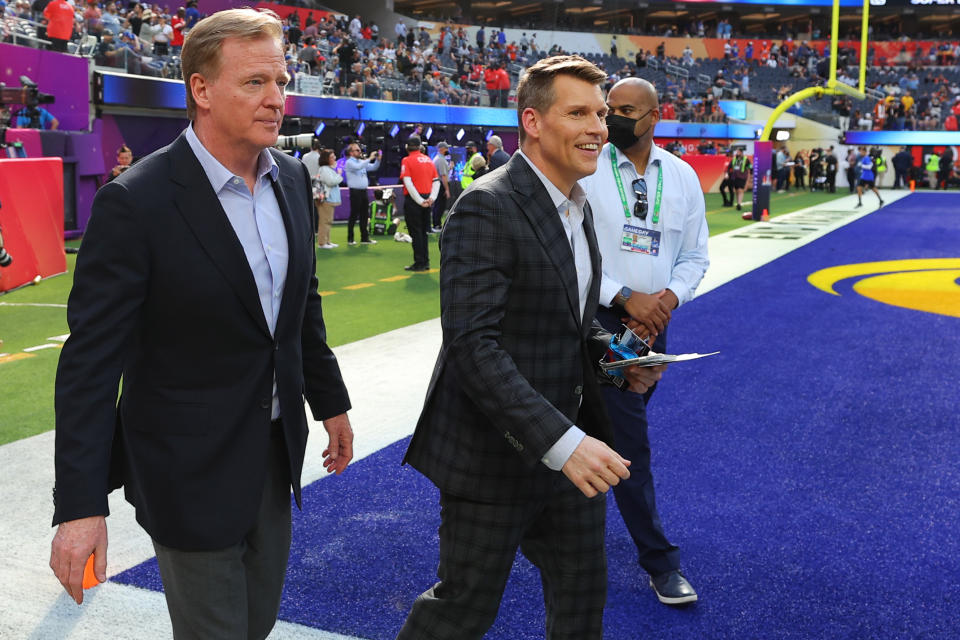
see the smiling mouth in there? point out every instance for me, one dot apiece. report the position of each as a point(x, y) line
point(590, 146)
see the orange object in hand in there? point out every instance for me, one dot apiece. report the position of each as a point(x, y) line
point(89, 579)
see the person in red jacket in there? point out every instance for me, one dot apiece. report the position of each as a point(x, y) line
point(490, 79)
point(503, 85)
point(60, 17)
point(178, 22)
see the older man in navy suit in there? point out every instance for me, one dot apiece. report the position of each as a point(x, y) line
point(196, 285)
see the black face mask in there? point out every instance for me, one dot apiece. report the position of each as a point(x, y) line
point(620, 130)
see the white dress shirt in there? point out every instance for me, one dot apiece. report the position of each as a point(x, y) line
point(683, 259)
point(570, 210)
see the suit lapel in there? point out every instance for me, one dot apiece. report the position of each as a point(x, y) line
point(201, 209)
point(284, 189)
point(535, 203)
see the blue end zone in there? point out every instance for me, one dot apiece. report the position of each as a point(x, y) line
point(809, 473)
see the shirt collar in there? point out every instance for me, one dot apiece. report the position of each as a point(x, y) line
point(624, 161)
point(218, 174)
point(577, 195)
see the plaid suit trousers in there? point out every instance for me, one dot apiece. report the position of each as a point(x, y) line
point(563, 536)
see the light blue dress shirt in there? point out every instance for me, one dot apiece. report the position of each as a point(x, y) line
point(258, 223)
point(356, 171)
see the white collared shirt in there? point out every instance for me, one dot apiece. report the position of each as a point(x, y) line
point(570, 211)
point(683, 258)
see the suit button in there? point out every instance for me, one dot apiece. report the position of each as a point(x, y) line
point(264, 403)
point(276, 346)
point(577, 390)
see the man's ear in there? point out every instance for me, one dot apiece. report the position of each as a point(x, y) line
point(530, 121)
point(198, 89)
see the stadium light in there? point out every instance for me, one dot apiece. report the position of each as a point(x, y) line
point(428, 134)
point(460, 134)
point(360, 128)
point(394, 130)
point(783, 135)
point(489, 134)
point(319, 129)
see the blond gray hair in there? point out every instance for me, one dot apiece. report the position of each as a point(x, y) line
point(201, 47)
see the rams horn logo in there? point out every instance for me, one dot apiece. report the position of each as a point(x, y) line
point(931, 284)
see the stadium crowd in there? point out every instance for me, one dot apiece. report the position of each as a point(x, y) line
point(918, 89)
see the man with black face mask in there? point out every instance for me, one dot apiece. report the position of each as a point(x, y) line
point(652, 232)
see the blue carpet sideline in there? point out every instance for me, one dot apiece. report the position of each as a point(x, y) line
point(808, 473)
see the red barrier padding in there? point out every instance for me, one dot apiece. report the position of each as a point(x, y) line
point(31, 214)
point(709, 169)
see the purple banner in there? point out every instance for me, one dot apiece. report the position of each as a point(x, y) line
point(762, 169)
point(64, 76)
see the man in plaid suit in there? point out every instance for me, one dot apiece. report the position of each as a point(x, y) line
point(513, 429)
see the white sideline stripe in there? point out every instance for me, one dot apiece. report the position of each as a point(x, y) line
point(32, 304)
point(41, 346)
point(62, 338)
point(36, 608)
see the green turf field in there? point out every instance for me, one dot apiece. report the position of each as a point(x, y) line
point(366, 292)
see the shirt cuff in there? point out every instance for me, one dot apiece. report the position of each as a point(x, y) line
point(608, 289)
point(560, 452)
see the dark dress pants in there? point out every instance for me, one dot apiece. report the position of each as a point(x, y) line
point(234, 593)
point(635, 496)
point(359, 213)
point(418, 219)
point(439, 207)
point(899, 179)
point(726, 192)
point(563, 536)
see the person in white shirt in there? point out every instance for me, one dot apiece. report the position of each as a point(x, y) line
point(649, 212)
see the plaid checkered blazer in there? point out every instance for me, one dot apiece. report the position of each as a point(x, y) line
point(516, 360)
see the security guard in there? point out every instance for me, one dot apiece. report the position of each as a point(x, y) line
point(651, 229)
point(468, 170)
point(932, 167)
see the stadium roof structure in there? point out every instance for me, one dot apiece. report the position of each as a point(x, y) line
point(750, 16)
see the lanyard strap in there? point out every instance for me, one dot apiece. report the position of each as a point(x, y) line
point(658, 199)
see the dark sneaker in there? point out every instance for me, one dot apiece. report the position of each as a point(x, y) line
point(672, 588)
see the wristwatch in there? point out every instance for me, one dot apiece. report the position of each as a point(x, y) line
point(622, 296)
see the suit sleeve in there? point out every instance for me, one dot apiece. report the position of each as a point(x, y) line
point(323, 384)
point(109, 288)
point(478, 261)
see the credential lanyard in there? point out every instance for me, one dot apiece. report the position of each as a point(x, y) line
point(623, 194)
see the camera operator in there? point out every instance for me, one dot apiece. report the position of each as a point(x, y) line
point(35, 118)
point(124, 160)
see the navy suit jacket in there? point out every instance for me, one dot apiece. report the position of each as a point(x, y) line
point(165, 299)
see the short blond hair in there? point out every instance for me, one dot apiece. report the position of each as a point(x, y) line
point(201, 47)
point(535, 90)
